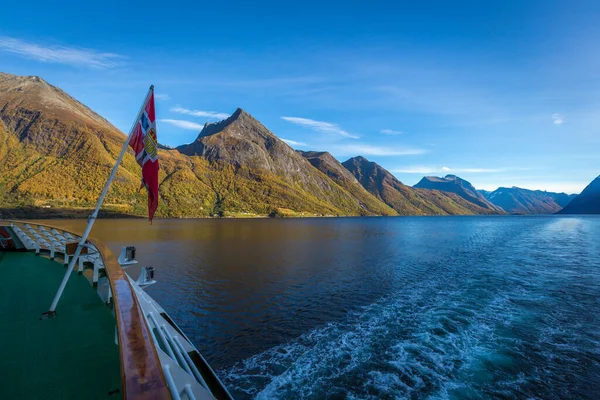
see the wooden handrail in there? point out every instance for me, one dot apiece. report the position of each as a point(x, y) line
point(141, 372)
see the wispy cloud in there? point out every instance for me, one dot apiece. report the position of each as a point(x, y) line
point(442, 170)
point(162, 96)
point(200, 113)
point(557, 119)
point(293, 142)
point(391, 132)
point(75, 56)
point(320, 126)
point(183, 124)
point(368, 150)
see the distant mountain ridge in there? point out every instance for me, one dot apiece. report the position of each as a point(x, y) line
point(405, 199)
point(523, 201)
point(587, 202)
point(461, 187)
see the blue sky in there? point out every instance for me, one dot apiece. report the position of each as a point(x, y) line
point(501, 93)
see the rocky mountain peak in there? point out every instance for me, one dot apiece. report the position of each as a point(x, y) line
point(242, 141)
point(239, 116)
point(360, 160)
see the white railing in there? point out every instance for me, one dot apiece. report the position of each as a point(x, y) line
point(43, 243)
point(182, 374)
point(27, 241)
point(37, 237)
point(177, 357)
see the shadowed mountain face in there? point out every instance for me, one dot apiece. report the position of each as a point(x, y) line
point(406, 200)
point(454, 184)
point(524, 201)
point(327, 164)
point(587, 202)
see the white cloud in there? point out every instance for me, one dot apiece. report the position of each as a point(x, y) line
point(293, 142)
point(200, 113)
point(76, 56)
point(557, 119)
point(368, 150)
point(162, 96)
point(183, 124)
point(445, 169)
point(320, 126)
point(391, 132)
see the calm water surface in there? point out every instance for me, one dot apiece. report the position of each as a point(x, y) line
point(415, 307)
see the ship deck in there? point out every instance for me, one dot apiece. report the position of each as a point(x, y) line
point(70, 356)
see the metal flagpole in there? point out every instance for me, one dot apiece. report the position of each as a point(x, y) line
point(92, 218)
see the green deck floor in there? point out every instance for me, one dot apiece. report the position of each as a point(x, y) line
point(71, 356)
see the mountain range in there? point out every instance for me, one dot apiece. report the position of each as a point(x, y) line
point(405, 199)
point(56, 153)
point(511, 200)
point(523, 201)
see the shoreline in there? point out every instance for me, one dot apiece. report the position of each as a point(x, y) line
point(37, 213)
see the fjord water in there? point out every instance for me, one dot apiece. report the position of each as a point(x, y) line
point(418, 307)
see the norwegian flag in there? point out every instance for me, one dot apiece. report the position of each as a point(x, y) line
point(144, 144)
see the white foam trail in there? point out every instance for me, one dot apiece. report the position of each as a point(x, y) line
point(454, 329)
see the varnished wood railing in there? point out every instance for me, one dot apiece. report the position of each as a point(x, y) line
point(141, 372)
